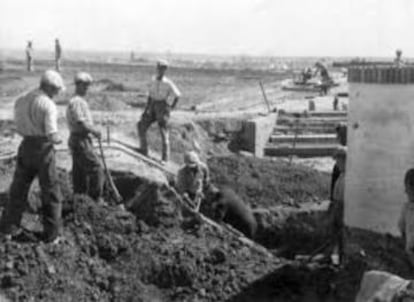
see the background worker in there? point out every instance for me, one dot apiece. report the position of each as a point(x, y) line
point(58, 54)
point(398, 61)
point(406, 221)
point(36, 115)
point(341, 137)
point(158, 109)
point(193, 178)
point(324, 74)
point(29, 55)
point(336, 207)
point(87, 172)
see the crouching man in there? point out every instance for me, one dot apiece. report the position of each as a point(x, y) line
point(87, 173)
point(35, 115)
point(228, 207)
point(193, 178)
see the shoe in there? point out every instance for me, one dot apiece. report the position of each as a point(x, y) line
point(10, 233)
point(101, 202)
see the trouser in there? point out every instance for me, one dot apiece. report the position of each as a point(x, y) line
point(35, 157)
point(336, 213)
point(156, 111)
point(87, 173)
point(57, 64)
point(29, 64)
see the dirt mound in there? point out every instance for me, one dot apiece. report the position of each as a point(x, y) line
point(114, 256)
point(266, 183)
point(106, 102)
point(107, 85)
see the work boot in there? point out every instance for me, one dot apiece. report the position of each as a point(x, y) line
point(101, 202)
point(11, 232)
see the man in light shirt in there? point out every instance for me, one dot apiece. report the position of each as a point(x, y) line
point(35, 115)
point(158, 109)
point(87, 173)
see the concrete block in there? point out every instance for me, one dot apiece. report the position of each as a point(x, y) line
point(256, 133)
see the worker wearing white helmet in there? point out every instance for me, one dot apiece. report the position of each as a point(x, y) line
point(87, 171)
point(158, 108)
point(35, 115)
point(193, 178)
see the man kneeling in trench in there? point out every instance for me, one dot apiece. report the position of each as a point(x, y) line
point(193, 178)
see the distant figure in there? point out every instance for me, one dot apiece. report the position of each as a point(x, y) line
point(406, 222)
point(29, 56)
point(398, 61)
point(341, 133)
point(324, 74)
point(193, 178)
point(336, 207)
point(335, 103)
point(158, 109)
point(58, 54)
point(306, 75)
point(87, 172)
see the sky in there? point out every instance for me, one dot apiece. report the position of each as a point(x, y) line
point(250, 27)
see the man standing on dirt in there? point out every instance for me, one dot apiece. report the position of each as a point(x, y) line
point(35, 115)
point(158, 109)
point(29, 55)
point(58, 54)
point(87, 173)
point(193, 178)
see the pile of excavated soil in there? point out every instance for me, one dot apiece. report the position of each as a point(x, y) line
point(115, 256)
point(266, 183)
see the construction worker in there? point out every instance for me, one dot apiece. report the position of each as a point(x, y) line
point(87, 172)
point(158, 109)
point(29, 56)
point(406, 221)
point(324, 74)
point(398, 61)
point(336, 207)
point(35, 115)
point(58, 54)
point(193, 178)
point(341, 133)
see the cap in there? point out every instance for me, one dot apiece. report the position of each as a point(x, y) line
point(52, 78)
point(83, 77)
point(340, 152)
point(191, 159)
point(162, 63)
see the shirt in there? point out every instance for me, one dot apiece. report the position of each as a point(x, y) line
point(192, 180)
point(35, 114)
point(29, 52)
point(160, 90)
point(78, 111)
point(406, 225)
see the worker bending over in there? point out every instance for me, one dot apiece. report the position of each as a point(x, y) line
point(193, 178)
point(87, 173)
point(158, 109)
point(35, 115)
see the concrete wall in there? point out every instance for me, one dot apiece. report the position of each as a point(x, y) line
point(256, 133)
point(381, 149)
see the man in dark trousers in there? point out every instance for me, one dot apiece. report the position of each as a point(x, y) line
point(35, 115)
point(87, 173)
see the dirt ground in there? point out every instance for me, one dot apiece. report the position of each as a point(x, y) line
point(158, 251)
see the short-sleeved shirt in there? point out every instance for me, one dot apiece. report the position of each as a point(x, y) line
point(406, 225)
point(160, 90)
point(78, 111)
point(35, 114)
point(29, 52)
point(193, 181)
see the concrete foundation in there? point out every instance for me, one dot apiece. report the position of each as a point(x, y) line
point(381, 146)
point(256, 132)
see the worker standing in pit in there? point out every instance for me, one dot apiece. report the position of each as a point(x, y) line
point(87, 172)
point(36, 115)
point(158, 109)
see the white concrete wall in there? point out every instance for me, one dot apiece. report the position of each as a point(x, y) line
point(381, 149)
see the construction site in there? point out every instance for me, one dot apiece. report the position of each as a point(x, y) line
point(271, 144)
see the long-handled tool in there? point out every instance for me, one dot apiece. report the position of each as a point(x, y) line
point(111, 183)
point(265, 96)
